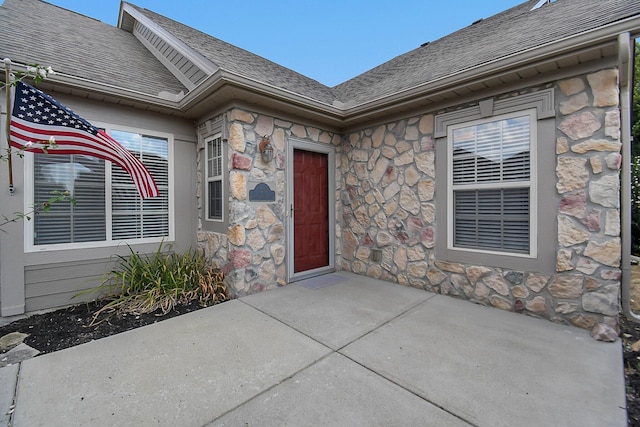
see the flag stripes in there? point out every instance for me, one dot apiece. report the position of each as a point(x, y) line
point(36, 117)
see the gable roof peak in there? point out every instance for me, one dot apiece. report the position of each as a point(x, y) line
point(541, 3)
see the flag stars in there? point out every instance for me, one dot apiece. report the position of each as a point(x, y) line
point(41, 110)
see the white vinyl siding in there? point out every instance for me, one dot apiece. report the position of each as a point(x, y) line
point(108, 208)
point(214, 174)
point(491, 181)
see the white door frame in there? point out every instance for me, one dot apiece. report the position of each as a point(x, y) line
point(329, 150)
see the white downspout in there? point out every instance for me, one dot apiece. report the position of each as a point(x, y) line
point(625, 60)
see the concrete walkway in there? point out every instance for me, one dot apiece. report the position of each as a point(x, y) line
point(357, 352)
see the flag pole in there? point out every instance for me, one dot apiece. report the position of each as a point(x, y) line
point(7, 71)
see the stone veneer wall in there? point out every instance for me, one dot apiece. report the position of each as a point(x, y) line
point(389, 204)
point(252, 252)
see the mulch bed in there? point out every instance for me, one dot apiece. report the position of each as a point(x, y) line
point(57, 330)
point(630, 334)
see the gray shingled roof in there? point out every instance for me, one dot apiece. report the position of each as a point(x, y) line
point(80, 46)
point(512, 31)
point(241, 62)
point(84, 47)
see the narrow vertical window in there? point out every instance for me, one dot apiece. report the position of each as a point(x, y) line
point(214, 174)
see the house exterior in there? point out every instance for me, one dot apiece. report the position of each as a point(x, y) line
point(486, 165)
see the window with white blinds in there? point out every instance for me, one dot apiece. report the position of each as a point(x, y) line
point(83, 177)
point(107, 205)
point(214, 173)
point(133, 217)
point(490, 183)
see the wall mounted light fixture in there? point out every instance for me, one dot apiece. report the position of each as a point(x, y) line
point(266, 150)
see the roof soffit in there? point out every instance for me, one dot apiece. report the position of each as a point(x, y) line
point(353, 112)
point(349, 115)
point(222, 86)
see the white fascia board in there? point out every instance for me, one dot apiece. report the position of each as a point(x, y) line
point(166, 100)
point(252, 85)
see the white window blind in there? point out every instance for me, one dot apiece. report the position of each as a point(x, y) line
point(134, 217)
point(214, 175)
point(490, 184)
point(83, 177)
point(92, 182)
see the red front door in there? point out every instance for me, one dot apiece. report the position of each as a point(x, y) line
point(311, 210)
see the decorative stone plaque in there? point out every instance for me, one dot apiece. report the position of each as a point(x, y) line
point(262, 192)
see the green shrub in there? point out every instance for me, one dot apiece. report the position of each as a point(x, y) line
point(146, 283)
point(635, 156)
point(635, 205)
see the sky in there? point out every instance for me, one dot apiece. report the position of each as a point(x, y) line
point(329, 41)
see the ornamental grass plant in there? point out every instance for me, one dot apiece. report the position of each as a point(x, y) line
point(158, 282)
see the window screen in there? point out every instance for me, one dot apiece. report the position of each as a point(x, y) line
point(81, 176)
point(491, 168)
point(214, 179)
point(86, 179)
point(134, 217)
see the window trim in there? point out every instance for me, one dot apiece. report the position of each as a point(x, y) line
point(29, 198)
point(220, 177)
point(531, 184)
point(205, 130)
point(543, 101)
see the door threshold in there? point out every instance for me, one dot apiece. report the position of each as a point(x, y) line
point(311, 273)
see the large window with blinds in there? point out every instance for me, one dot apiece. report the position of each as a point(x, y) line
point(107, 205)
point(491, 168)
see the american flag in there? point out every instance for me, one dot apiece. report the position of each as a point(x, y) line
point(37, 117)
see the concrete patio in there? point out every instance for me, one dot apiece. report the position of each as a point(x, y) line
point(356, 352)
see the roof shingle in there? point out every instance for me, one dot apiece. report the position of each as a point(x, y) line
point(80, 46)
point(241, 62)
point(515, 30)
